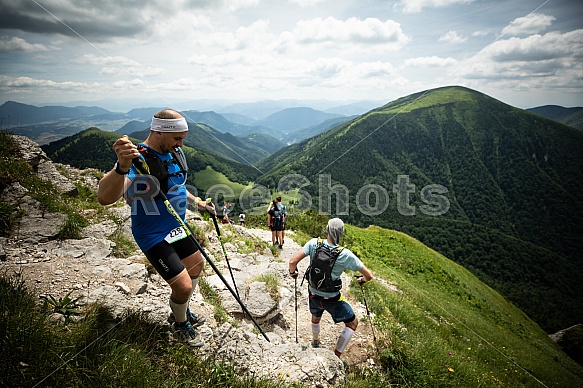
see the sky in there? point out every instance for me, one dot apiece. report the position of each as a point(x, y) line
point(524, 53)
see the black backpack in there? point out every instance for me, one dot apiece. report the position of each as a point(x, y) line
point(158, 169)
point(319, 273)
point(276, 212)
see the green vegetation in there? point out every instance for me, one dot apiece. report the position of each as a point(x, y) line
point(207, 178)
point(271, 284)
point(98, 350)
point(444, 327)
point(66, 306)
point(213, 297)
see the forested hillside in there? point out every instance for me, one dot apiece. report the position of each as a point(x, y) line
point(93, 148)
point(513, 183)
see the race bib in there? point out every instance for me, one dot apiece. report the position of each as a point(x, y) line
point(175, 235)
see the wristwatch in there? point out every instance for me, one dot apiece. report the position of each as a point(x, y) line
point(117, 169)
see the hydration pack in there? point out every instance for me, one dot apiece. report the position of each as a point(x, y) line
point(276, 212)
point(159, 168)
point(319, 273)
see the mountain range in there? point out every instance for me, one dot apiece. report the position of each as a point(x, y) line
point(50, 123)
point(496, 188)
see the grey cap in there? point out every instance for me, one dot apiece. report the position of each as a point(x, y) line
point(335, 229)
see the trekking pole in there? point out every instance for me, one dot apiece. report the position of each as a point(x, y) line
point(142, 170)
point(374, 337)
point(296, 305)
point(214, 217)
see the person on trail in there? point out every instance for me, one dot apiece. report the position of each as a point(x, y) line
point(226, 211)
point(155, 230)
point(242, 219)
point(283, 209)
point(325, 295)
point(275, 222)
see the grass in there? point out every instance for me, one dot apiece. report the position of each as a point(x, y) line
point(99, 351)
point(446, 328)
point(209, 178)
point(271, 284)
point(212, 296)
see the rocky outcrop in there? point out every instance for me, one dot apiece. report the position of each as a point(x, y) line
point(571, 341)
point(43, 166)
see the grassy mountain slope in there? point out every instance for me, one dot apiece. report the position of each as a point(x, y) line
point(514, 184)
point(446, 328)
point(93, 148)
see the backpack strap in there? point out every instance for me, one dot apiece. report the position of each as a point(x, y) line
point(319, 242)
point(157, 168)
point(178, 154)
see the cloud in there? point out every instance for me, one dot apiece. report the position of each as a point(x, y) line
point(415, 6)
point(28, 82)
point(18, 44)
point(550, 60)
point(432, 61)
point(306, 3)
point(452, 37)
point(481, 33)
point(352, 30)
point(531, 24)
point(119, 66)
point(92, 20)
point(224, 5)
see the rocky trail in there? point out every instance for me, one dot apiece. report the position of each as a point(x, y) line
point(88, 269)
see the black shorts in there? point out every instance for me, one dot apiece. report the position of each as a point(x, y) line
point(167, 258)
point(277, 224)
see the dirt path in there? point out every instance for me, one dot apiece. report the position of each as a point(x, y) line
point(360, 349)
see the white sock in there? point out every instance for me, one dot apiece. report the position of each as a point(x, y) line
point(316, 331)
point(179, 310)
point(343, 340)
